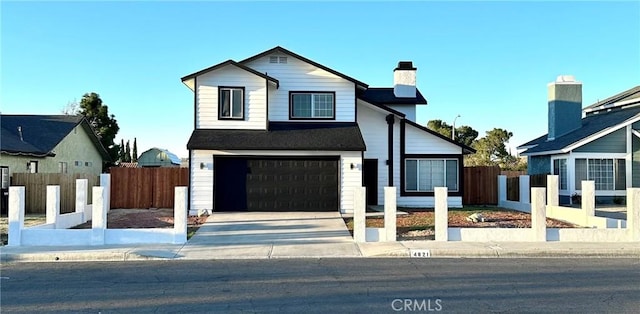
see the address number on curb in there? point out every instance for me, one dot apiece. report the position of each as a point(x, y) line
point(419, 253)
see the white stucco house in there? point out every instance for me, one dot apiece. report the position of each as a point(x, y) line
point(280, 132)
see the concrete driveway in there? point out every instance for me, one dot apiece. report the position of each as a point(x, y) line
point(271, 235)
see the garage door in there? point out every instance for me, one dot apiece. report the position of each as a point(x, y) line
point(276, 184)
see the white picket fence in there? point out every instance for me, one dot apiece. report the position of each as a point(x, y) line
point(55, 232)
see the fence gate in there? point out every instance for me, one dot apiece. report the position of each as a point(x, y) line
point(146, 187)
point(481, 185)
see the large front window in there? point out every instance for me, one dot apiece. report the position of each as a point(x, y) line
point(312, 105)
point(607, 174)
point(423, 175)
point(231, 103)
point(560, 169)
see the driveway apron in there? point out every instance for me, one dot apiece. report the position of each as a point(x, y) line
point(271, 235)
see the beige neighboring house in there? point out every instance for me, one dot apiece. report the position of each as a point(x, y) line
point(50, 144)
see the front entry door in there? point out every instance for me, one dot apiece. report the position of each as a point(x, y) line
point(371, 180)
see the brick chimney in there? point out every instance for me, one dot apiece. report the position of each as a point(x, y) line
point(404, 80)
point(565, 106)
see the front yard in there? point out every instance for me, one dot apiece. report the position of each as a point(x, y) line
point(418, 224)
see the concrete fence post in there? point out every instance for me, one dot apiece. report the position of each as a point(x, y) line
point(105, 181)
point(99, 219)
point(390, 213)
point(538, 214)
point(81, 194)
point(553, 198)
point(53, 205)
point(359, 214)
point(442, 215)
point(16, 215)
point(524, 189)
point(502, 189)
point(588, 199)
point(633, 214)
point(180, 215)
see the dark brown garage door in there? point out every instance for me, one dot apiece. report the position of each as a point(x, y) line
point(276, 184)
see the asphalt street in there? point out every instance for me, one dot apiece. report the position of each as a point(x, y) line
point(324, 286)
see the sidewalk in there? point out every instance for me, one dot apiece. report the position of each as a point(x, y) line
point(393, 249)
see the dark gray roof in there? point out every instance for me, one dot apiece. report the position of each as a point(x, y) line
point(626, 95)
point(297, 56)
point(591, 125)
point(40, 134)
point(385, 96)
point(338, 136)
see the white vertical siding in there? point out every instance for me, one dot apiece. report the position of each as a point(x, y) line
point(296, 75)
point(255, 108)
point(373, 126)
point(202, 179)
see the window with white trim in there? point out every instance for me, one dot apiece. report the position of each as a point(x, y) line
point(424, 174)
point(231, 102)
point(608, 174)
point(560, 169)
point(316, 105)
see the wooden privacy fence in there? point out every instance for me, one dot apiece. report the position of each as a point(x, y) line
point(481, 185)
point(36, 189)
point(513, 185)
point(146, 187)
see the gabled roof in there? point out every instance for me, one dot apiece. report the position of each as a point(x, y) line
point(41, 134)
point(465, 149)
point(337, 136)
point(191, 76)
point(593, 127)
point(385, 96)
point(297, 56)
point(616, 100)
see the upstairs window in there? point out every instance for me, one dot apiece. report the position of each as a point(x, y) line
point(231, 103)
point(312, 105)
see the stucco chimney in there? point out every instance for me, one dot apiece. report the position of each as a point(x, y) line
point(565, 106)
point(404, 80)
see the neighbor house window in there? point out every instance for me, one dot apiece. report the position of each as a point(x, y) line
point(423, 175)
point(608, 174)
point(231, 103)
point(62, 167)
point(560, 169)
point(88, 164)
point(77, 163)
point(312, 105)
point(32, 167)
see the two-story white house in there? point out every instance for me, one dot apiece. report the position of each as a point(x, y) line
point(280, 132)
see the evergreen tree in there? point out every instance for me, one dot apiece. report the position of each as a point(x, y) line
point(127, 153)
point(135, 150)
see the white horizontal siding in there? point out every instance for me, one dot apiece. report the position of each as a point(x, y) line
point(255, 106)
point(421, 142)
point(296, 75)
point(408, 110)
point(202, 180)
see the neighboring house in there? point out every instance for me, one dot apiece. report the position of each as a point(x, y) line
point(50, 144)
point(603, 146)
point(280, 132)
point(158, 157)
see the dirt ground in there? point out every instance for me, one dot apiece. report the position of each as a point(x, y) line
point(419, 223)
point(143, 218)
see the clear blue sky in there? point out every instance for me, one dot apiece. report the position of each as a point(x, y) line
point(490, 62)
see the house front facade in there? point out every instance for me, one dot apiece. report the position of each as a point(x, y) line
point(50, 144)
point(280, 132)
point(599, 143)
